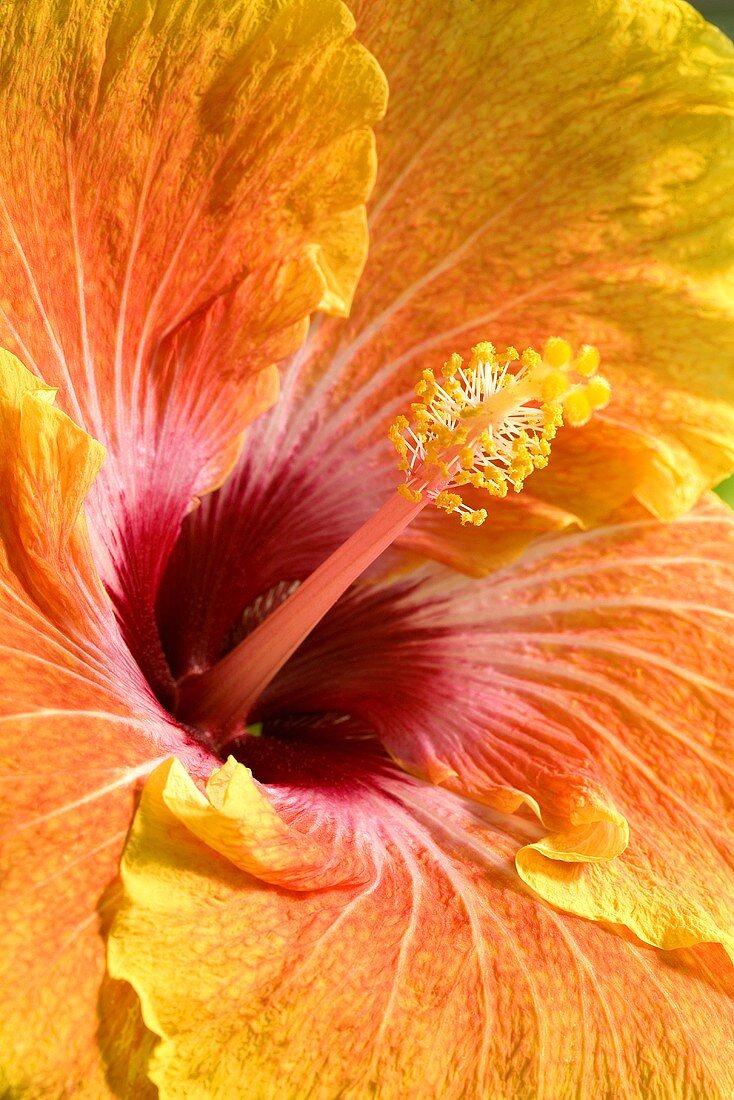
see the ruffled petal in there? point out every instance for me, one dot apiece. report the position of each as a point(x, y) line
point(78, 732)
point(182, 185)
point(590, 684)
point(507, 211)
point(236, 819)
point(439, 975)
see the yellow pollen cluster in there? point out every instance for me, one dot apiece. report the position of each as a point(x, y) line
point(489, 423)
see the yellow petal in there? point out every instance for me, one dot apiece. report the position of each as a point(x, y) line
point(47, 465)
point(236, 819)
point(437, 976)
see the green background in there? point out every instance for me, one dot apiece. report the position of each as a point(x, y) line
point(720, 12)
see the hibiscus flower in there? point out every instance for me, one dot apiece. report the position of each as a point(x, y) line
point(310, 789)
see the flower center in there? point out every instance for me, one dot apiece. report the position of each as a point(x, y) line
point(487, 424)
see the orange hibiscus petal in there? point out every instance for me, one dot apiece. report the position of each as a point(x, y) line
point(589, 685)
point(182, 185)
point(78, 729)
point(521, 518)
point(506, 211)
point(624, 637)
point(263, 991)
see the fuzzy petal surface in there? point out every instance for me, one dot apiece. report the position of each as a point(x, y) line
point(266, 992)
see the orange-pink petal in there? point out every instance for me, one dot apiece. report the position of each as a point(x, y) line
point(79, 730)
point(588, 685)
point(181, 186)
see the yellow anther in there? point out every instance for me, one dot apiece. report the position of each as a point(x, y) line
point(395, 434)
point(530, 358)
point(520, 467)
point(489, 423)
point(552, 416)
point(598, 392)
point(577, 407)
point(452, 365)
point(557, 352)
point(449, 502)
point(426, 387)
point(475, 517)
point(493, 475)
point(484, 352)
point(587, 361)
point(413, 495)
